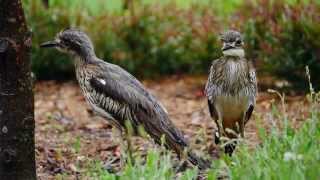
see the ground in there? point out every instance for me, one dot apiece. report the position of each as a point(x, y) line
point(69, 135)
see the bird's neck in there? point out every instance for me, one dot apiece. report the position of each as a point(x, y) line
point(87, 54)
point(234, 53)
point(83, 59)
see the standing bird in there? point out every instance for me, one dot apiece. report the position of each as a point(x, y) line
point(231, 90)
point(119, 97)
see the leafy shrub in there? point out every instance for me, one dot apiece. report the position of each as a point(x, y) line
point(147, 43)
point(286, 37)
point(151, 39)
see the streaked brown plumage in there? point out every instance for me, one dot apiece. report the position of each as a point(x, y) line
point(118, 96)
point(231, 89)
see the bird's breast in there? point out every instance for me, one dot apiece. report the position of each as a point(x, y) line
point(235, 72)
point(232, 107)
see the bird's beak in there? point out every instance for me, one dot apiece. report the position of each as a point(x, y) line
point(227, 46)
point(49, 44)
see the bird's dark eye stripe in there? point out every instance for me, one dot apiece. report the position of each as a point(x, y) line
point(66, 40)
point(70, 42)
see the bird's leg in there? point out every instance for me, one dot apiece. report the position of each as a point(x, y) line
point(183, 161)
point(129, 148)
point(119, 138)
point(111, 164)
point(220, 125)
point(128, 134)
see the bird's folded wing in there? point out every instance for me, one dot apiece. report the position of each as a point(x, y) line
point(254, 90)
point(253, 83)
point(212, 90)
point(124, 88)
point(119, 91)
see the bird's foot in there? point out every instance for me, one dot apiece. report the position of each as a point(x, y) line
point(113, 165)
point(229, 148)
point(182, 167)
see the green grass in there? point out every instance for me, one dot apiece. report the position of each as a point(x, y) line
point(156, 167)
point(285, 154)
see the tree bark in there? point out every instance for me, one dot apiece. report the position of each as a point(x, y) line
point(17, 153)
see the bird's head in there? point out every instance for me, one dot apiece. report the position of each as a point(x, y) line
point(232, 43)
point(72, 41)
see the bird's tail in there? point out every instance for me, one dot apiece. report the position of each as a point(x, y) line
point(201, 163)
point(174, 140)
point(183, 150)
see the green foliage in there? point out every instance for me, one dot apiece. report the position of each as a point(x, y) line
point(284, 153)
point(172, 37)
point(145, 41)
point(47, 64)
point(156, 167)
point(286, 37)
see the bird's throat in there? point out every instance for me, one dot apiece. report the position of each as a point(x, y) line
point(234, 52)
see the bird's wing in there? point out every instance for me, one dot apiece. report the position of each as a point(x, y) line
point(253, 79)
point(253, 88)
point(118, 84)
point(212, 89)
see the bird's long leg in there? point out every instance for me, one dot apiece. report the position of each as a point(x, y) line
point(183, 163)
point(220, 132)
point(129, 148)
point(220, 123)
point(217, 134)
point(117, 136)
point(111, 165)
point(128, 134)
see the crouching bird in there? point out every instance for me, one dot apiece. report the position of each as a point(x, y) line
point(119, 97)
point(231, 90)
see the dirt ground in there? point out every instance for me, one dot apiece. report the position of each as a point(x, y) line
point(68, 133)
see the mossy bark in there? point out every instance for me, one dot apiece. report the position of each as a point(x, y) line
point(17, 153)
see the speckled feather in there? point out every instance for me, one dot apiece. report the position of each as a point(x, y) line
point(233, 78)
point(125, 98)
point(231, 88)
point(118, 96)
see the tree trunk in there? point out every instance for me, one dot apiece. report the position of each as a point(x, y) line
point(17, 154)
